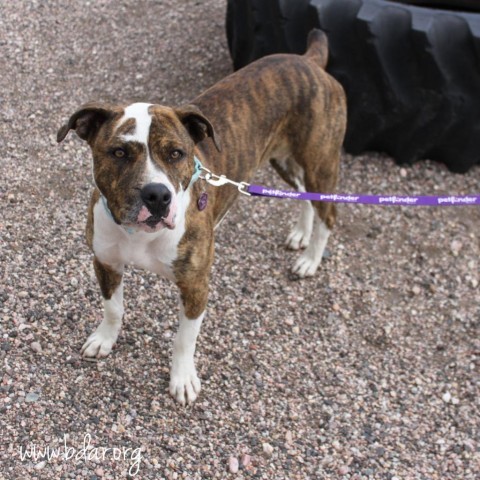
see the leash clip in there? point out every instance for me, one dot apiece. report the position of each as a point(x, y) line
point(220, 180)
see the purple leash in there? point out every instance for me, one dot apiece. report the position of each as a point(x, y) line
point(415, 201)
point(420, 201)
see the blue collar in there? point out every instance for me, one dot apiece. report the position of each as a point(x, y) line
point(197, 172)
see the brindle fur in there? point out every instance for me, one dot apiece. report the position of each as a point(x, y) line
point(282, 108)
point(108, 278)
point(304, 120)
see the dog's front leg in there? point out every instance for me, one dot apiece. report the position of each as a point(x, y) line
point(100, 342)
point(184, 382)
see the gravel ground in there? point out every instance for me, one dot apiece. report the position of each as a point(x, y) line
point(367, 371)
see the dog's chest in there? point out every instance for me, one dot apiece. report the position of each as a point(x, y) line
point(115, 246)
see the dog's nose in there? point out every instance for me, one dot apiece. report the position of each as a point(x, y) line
point(157, 197)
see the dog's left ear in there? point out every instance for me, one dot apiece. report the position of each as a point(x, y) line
point(197, 124)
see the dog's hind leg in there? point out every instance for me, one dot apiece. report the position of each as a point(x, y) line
point(318, 180)
point(293, 174)
point(308, 262)
point(300, 235)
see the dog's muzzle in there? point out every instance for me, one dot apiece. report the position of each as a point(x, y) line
point(157, 200)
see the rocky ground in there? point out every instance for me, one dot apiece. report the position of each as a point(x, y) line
point(367, 371)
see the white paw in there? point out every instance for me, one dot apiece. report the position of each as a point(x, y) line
point(306, 265)
point(99, 344)
point(298, 238)
point(301, 233)
point(308, 262)
point(184, 384)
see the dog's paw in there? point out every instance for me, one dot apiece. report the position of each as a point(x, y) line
point(310, 259)
point(301, 233)
point(99, 344)
point(306, 265)
point(298, 238)
point(184, 385)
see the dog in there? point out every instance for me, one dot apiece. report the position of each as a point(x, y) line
point(150, 209)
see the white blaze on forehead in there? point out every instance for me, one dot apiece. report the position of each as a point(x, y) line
point(143, 120)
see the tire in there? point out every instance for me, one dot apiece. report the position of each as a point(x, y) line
point(256, 28)
point(411, 74)
point(465, 5)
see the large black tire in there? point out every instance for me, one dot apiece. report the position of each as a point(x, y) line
point(256, 28)
point(465, 5)
point(411, 74)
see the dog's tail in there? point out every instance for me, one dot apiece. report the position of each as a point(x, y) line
point(317, 46)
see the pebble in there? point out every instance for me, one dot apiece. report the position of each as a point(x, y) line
point(343, 470)
point(245, 460)
point(267, 449)
point(456, 246)
point(32, 397)
point(233, 464)
point(446, 397)
point(36, 347)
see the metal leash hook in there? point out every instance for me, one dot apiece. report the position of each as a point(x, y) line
point(220, 180)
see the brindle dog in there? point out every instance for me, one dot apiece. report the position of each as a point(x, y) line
point(145, 207)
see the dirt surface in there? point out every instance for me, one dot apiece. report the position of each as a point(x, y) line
point(367, 371)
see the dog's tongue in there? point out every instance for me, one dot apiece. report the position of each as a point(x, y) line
point(169, 221)
point(143, 215)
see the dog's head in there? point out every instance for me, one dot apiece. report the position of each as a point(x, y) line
point(142, 157)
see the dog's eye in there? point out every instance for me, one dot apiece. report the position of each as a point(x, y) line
point(119, 153)
point(176, 155)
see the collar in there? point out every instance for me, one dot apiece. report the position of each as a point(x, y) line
point(197, 171)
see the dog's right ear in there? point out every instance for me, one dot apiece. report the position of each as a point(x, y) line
point(86, 121)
